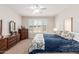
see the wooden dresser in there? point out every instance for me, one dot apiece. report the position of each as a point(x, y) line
point(23, 33)
point(8, 42)
point(12, 40)
point(3, 45)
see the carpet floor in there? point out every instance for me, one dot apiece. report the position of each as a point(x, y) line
point(20, 48)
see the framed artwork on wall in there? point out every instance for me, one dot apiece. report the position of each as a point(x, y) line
point(68, 24)
point(0, 27)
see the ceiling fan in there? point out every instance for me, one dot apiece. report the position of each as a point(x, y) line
point(38, 8)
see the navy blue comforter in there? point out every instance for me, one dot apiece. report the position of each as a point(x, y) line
point(55, 43)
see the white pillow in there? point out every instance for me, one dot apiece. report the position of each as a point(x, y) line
point(67, 35)
point(76, 37)
point(70, 36)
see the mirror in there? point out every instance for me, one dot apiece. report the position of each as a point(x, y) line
point(12, 27)
point(0, 27)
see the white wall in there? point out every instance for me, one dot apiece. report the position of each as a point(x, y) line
point(50, 24)
point(72, 11)
point(7, 15)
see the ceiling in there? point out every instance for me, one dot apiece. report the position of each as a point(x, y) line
point(25, 10)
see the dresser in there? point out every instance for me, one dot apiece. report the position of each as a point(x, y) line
point(3, 44)
point(8, 42)
point(23, 33)
point(12, 40)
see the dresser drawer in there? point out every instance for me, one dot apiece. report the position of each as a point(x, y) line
point(11, 41)
point(1, 41)
point(3, 48)
point(23, 33)
point(3, 44)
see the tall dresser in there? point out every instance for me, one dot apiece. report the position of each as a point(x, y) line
point(23, 33)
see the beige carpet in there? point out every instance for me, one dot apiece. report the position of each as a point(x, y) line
point(20, 48)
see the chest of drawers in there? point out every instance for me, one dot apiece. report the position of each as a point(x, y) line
point(23, 33)
point(3, 45)
point(12, 40)
point(8, 42)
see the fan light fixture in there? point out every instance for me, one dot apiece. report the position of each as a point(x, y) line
point(37, 8)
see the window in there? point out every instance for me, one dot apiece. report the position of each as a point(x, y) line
point(37, 25)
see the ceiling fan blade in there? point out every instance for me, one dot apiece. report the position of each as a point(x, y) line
point(43, 8)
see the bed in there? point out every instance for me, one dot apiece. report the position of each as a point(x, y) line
point(52, 43)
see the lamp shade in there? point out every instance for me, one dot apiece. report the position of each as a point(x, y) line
point(55, 29)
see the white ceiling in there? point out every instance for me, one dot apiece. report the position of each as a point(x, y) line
point(25, 10)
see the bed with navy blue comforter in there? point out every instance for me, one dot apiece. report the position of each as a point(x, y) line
point(57, 44)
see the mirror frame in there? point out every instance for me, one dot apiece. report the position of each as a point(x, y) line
point(0, 27)
point(12, 27)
